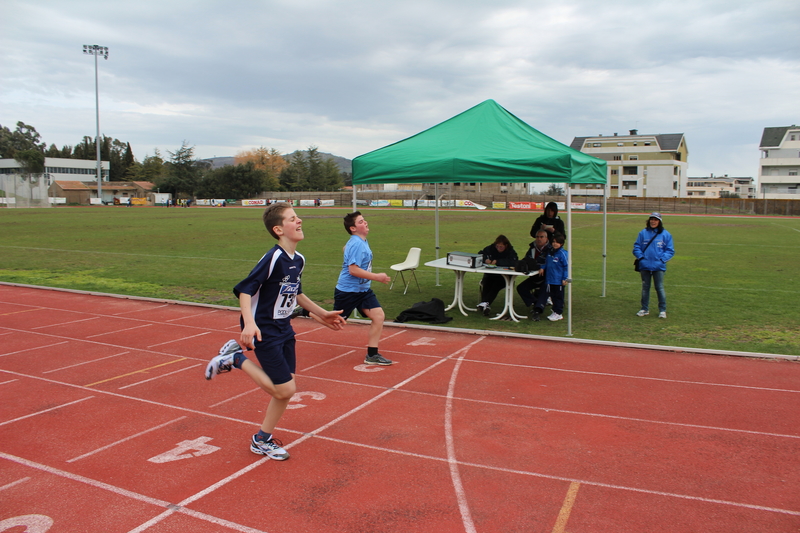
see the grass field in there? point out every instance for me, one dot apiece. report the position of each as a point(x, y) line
point(734, 283)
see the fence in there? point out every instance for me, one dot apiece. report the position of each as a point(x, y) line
point(709, 206)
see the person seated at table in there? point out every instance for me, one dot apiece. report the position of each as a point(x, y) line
point(500, 254)
point(538, 251)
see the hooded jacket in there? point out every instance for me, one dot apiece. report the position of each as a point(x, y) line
point(557, 223)
point(660, 251)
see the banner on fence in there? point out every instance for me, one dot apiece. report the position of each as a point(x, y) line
point(580, 206)
point(498, 205)
point(593, 207)
point(396, 203)
point(254, 203)
point(469, 203)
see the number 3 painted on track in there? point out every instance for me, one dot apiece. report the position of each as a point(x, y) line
point(33, 523)
point(298, 397)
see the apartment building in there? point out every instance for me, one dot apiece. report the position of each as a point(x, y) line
point(779, 165)
point(638, 165)
point(721, 186)
point(58, 168)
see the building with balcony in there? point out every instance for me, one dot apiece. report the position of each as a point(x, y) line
point(779, 165)
point(638, 165)
point(720, 187)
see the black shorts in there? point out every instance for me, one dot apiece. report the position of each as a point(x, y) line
point(347, 301)
point(277, 360)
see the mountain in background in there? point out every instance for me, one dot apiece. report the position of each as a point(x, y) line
point(344, 164)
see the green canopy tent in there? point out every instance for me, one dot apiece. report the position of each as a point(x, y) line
point(483, 144)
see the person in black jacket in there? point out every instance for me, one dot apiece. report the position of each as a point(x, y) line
point(500, 254)
point(549, 222)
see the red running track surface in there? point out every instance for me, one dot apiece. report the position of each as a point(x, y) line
point(107, 424)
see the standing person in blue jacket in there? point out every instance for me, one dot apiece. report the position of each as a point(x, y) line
point(555, 270)
point(653, 248)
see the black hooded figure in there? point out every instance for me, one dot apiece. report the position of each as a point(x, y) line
point(549, 222)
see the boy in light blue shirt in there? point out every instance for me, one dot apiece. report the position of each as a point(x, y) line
point(353, 288)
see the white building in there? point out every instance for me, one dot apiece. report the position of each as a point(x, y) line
point(61, 169)
point(779, 165)
point(639, 165)
point(718, 186)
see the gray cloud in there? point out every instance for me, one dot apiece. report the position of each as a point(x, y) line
point(351, 76)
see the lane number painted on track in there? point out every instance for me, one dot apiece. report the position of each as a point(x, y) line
point(186, 450)
point(33, 523)
point(298, 397)
point(422, 341)
point(368, 368)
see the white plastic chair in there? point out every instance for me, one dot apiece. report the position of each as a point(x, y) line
point(410, 264)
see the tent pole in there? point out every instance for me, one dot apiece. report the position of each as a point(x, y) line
point(436, 212)
point(571, 260)
point(354, 198)
point(605, 241)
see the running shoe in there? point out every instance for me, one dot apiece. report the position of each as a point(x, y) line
point(377, 359)
point(223, 362)
point(554, 316)
point(662, 314)
point(642, 312)
point(272, 448)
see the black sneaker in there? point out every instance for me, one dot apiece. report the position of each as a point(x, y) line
point(377, 359)
point(535, 315)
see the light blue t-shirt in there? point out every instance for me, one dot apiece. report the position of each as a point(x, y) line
point(356, 252)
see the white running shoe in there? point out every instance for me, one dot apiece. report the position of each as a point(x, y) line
point(642, 312)
point(223, 362)
point(272, 448)
point(554, 316)
point(662, 314)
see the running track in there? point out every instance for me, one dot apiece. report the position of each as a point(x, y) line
point(107, 425)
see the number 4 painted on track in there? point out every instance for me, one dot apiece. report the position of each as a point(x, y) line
point(186, 450)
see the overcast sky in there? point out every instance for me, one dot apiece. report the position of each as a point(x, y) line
point(352, 76)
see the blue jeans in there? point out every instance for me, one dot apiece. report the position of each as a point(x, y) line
point(658, 277)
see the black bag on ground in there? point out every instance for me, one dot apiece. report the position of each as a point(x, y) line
point(432, 312)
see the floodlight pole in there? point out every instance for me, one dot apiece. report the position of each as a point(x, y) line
point(97, 50)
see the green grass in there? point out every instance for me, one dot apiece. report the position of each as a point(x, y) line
point(732, 285)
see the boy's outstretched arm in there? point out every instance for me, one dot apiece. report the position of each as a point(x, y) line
point(331, 319)
point(359, 272)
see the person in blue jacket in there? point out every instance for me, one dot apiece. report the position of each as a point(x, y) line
point(555, 270)
point(653, 248)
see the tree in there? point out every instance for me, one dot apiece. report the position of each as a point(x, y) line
point(268, 160)
point(554, 190)
point(239, 181)
point(183, 172)
point(728, 194)
point(24, 137)
point(295, 176)
point(151, 169)
point(308, 171)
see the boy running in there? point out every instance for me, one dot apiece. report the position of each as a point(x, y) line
point(352, 290)
point(267, 298)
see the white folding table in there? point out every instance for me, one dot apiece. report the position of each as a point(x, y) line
point(508, 274)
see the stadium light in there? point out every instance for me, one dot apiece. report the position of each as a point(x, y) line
point(97, 50)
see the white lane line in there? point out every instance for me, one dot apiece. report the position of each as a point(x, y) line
point(65, 323)
point(35, 348)
point(159, 376)
point(234, 398)
point(120, 330)
point(88, 481)
point(37, 413)
point(15, 483)
point(84, 363)
point(180, 339)
point(455, 476)
point(124, 440)
point(570, 480)
point(327, 361)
